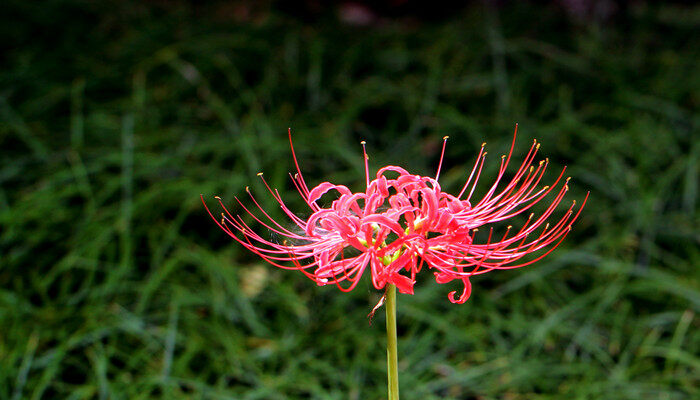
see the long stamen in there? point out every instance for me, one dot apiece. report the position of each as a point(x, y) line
point(366, 157)
point(296, 163)
point(471, 175)
point(442, 154)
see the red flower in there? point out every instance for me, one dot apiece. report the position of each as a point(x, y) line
point(400, 223)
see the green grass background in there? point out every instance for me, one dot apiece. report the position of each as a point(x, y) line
point(115, 284)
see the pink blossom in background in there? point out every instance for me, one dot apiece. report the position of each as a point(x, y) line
point(402, 223)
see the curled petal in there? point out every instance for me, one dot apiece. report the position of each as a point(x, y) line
point(384, 221)
point(465, 293)
point(323, 188)
point(403, 283)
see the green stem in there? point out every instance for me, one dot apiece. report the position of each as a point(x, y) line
point(392, 357)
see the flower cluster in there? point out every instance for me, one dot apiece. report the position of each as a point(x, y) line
point(402, 222)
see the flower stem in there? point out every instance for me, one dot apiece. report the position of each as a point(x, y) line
point(392, 358)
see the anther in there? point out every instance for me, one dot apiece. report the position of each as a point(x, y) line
point(483, 144)
point(247, 189)
point(546, 187)
point(537, 147)
point(445, 137)
point(260, 174)
point(217, 197)
point(531, 215)
point(532, 169)
point(363, 142)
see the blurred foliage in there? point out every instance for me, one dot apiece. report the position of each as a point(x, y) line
point(114, 283)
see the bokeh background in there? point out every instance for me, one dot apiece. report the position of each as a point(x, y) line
point(115, 116)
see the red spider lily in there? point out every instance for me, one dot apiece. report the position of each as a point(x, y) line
point(400, 223)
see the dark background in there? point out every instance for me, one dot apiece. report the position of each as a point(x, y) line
point(115, 116)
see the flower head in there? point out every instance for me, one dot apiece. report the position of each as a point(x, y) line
point(402, 222)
